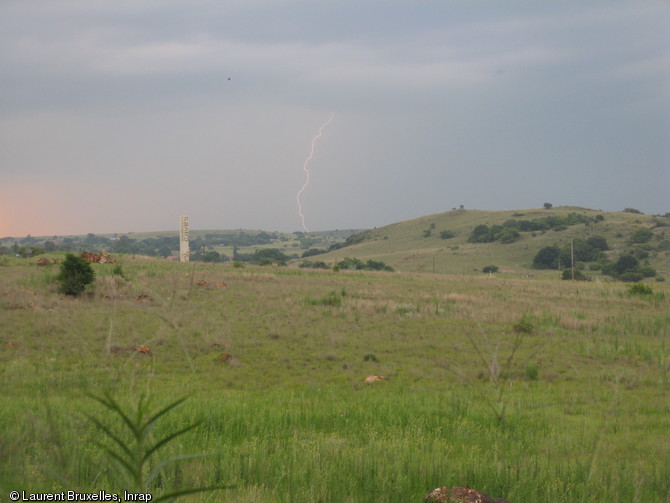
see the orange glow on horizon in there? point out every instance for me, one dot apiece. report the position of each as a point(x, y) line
point(34, 210)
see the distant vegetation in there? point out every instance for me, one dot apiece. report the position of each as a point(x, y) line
point(510, 230)
point(626, 246)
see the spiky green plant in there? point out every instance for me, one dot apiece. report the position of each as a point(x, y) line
point(135, 457)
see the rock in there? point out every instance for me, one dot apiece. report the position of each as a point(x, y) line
point(460, 495)
point(371, 379)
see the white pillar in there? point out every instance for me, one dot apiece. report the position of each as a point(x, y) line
point(183, 238)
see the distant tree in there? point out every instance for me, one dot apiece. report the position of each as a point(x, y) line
point(30, 251)
point(447, 235)
point(312, 251)
point(211, 256)
point(377, 265)
point(75, 275)
point(508, 235)
point(633, 210)
point(548, 206)
point(576, 274)
point(427, 233)
point(547, 258)
point(314, 265)
point(351, 263)
point(489, 269)
point(598, 242)
point(49, 246)
point(481, 234)
point(269, 256)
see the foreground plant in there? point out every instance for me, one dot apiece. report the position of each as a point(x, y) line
point(135, 457)
point(75, 275)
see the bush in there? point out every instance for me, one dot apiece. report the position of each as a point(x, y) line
point(319, 264)
point(531, 372)
point(547, 258)
point(490, 269)
point(75, 275)
point(647, 271)
point(579, 275)
point(631, 277)
point(311, 252)
point(524, 326)
point(508, 235)
point(639, 289)
point(641, 235)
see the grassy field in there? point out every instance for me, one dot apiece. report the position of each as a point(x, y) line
point(528, 389)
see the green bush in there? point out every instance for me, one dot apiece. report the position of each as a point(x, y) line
point(531, 372)
point(490, 269)
point(75, 275)
point(524, 326)
point(641, 235)
point(578, 275)
point(639, 289)
point(631, 277)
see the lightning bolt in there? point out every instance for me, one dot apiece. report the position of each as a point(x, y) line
point(305, 168)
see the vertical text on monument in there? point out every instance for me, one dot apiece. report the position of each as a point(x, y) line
point(183, 238)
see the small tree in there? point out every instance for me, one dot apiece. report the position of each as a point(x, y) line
point(75, 275)
point(548, 206)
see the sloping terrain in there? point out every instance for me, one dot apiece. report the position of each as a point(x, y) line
point(417, 246)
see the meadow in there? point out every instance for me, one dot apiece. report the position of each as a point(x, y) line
point(531, 389)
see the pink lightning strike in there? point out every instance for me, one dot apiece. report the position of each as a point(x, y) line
point(306, 170)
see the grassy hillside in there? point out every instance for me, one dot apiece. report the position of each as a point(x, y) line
point(403, 245)
point(525, 389)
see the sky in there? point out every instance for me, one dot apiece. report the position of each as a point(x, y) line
point(120, 116)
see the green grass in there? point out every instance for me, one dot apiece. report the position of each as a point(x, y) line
point(527, 389)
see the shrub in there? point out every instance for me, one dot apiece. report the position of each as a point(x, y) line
point(319, 264)
point(447, 235)
point(631, 277)
point(531, 372)
point(639, 289)
point(508, 235)
point(312, 251)
point(490, 269)
point(578, 275)
point(626, 263)
point(647, 271)
point(332, 299)
point(523, 326)
point(641, 235)
point(547, 258)
point(75, 275)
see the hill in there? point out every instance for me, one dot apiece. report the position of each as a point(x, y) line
point(454, 242)
point(440, 243)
